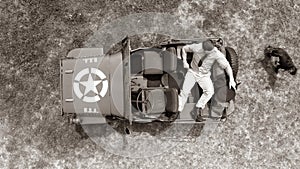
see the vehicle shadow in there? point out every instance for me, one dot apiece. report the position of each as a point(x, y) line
point(196, 130)
point(160, 129)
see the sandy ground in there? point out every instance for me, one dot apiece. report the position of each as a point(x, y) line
point(264, 131)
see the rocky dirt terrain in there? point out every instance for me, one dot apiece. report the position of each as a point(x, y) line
point(264, 131)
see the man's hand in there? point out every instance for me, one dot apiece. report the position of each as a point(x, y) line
point(232, 84)
point(185, 64)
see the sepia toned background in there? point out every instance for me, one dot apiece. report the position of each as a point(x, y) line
point(264, 131)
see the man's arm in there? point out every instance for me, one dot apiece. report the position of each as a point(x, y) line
point(185, 49)
point(231, 78)
point(226, 66)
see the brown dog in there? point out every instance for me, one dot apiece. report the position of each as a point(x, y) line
point(285, 61)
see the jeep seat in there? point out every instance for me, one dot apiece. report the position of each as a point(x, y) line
point(161, 100)
point(169, 59)
point(153, 63)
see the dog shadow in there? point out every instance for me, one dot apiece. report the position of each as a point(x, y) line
point(270, 69)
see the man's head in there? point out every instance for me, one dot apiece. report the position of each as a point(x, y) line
point(207, 45)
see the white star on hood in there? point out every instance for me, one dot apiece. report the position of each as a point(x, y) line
point(90, 85)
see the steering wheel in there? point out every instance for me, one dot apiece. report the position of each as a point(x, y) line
point(144, 103)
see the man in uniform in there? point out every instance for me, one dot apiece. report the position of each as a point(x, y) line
point(200, 73)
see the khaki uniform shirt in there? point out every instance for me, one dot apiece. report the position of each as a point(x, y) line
point(207, 61)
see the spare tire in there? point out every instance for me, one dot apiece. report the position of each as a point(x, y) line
point(233, 60)
point(224, 94)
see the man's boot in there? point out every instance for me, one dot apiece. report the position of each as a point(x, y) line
point(199, 117)
point(224, 116)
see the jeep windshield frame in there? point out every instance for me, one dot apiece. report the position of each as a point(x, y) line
point(126, 79)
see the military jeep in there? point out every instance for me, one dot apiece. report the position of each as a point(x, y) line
point(140, 85)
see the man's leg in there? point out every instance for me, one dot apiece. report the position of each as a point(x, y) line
point(217, 109)
point(189, 82)
point(208, 90)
